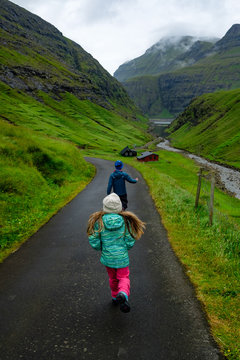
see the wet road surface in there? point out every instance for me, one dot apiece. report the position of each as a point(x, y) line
point(55, 301)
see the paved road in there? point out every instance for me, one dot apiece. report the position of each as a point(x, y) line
point(55, 300)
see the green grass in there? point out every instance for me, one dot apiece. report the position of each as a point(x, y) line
point(165, 114)
point(41, 163)
point(71, 119)
point(210, 127)
point(38, 175)
point(210, 254)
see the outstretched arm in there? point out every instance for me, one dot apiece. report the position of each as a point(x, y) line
point(129, 179)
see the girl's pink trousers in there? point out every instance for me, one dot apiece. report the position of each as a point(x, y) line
point(119, 280)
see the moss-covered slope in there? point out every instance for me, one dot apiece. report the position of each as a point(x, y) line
point(210, 126)
point(35, 56)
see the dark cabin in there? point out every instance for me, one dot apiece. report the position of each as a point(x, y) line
point(148, 156)
point(128, 152)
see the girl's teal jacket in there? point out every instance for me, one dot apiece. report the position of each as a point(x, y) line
point(114, 241)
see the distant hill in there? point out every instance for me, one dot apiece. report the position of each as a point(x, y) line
point(214, 67)
point(170, 53)
point(210, 126)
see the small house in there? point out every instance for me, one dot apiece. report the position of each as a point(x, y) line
point(128, 152)
point(148, 156)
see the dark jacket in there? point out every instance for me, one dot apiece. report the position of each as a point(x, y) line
point(117, 181)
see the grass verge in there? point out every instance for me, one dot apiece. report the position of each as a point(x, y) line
point(38, 176)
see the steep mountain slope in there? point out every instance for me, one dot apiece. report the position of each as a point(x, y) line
point(166, 55)
point(220, 69)
point(36, 56)
point(210, 126)
point(56, 82)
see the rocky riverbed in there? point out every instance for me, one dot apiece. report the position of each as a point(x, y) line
point(227, 179)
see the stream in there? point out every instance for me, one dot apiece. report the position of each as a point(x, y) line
point(228, 178)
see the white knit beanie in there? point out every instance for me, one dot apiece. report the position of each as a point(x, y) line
point(112, 203)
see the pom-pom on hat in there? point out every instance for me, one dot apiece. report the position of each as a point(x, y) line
point(112, 203)
point(118, 164)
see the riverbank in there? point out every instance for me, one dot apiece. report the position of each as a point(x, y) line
point(227, 178)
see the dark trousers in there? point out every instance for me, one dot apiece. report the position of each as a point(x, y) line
point(124, 201)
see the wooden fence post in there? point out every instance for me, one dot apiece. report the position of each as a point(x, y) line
point(198, 187)
point(211, 200)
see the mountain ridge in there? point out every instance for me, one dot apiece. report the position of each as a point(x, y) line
point(87, 78)
point(216, 68)
point(165, 55)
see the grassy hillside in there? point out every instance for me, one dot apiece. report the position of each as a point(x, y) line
point(145, 91)
point(175, 90)
point(36, 56)
point(210, 127)
point(41, 164)
point(79, 121)
point(38, 175)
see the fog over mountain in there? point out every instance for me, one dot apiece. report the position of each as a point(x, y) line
point(182, 41)
point(165, 55)
point(175, 70)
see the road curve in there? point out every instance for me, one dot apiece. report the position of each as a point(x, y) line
point(55, 300)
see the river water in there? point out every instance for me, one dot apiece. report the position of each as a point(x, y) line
point(158, 126)
point(229, 178)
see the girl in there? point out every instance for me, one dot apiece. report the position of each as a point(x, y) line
point(114, 232)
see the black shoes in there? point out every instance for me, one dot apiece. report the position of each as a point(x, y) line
point(124, 304)
point(114, 301)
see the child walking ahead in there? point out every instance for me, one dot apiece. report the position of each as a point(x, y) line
point(114, 233)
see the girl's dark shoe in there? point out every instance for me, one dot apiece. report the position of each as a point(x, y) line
point(115, 302)
point(124, 304)
point(125, 307)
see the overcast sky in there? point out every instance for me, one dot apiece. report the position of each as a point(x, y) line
point(115, 31)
